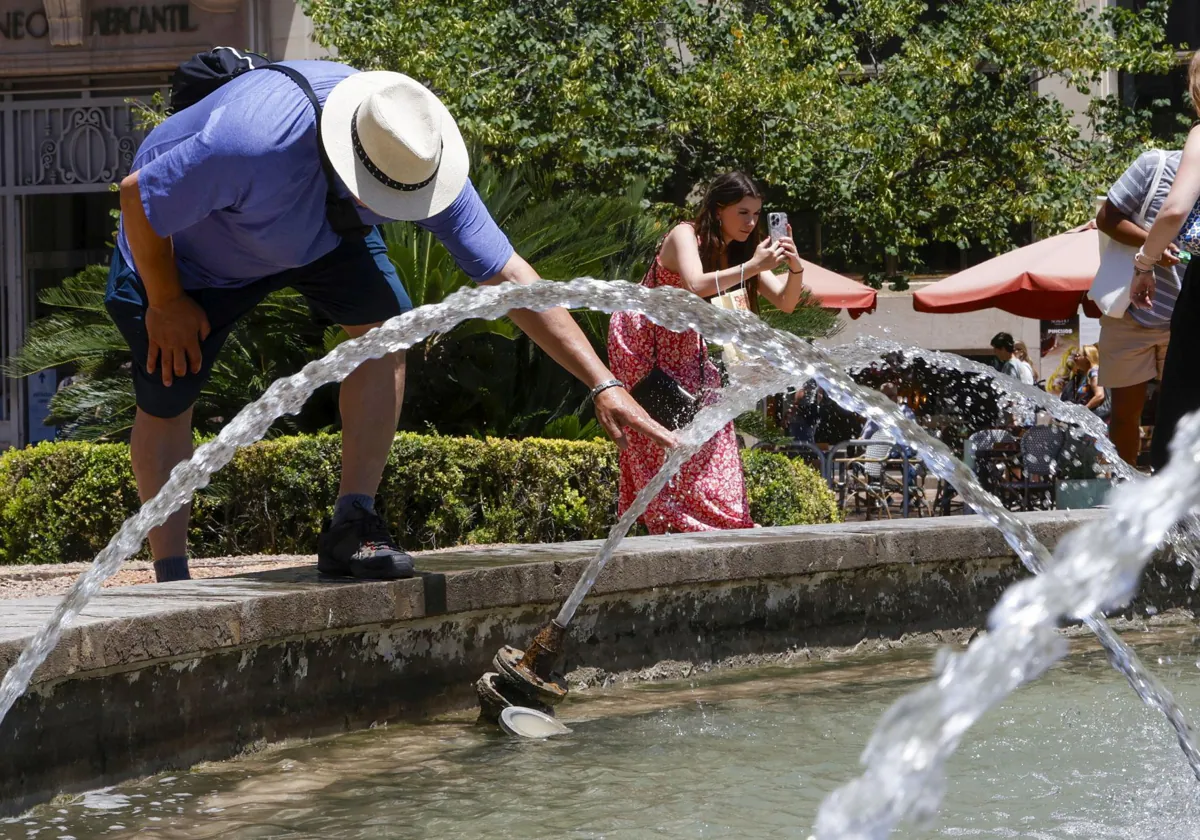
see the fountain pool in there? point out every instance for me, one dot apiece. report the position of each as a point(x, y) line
point(746, 754)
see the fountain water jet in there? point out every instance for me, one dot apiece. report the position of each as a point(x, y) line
point(1097, 567)
point(1183, 541)
point(531, 677)
point(675, 309)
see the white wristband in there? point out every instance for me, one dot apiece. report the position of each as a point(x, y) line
point(1143, 259)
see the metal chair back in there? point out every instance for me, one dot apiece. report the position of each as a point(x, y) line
point(1040, 446)
point(983, 440)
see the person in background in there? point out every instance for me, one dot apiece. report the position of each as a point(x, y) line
point(1133, 347)
point(892, 392)
point(1004, 347)
point(1179, 392)
point(1083, 385)
point(1021, 354)
point(802, 415)
point(723, 251)
point(871, 428)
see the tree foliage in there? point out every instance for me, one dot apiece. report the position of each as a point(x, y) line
point(480, 378)
point(900, 123)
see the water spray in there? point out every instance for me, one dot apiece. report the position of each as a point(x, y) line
point(1074, 589)
point(533, 678)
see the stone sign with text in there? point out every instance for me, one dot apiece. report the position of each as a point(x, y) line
point(115, 37)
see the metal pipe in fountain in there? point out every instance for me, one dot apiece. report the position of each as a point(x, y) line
point(533, 677)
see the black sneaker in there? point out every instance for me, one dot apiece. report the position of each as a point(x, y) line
point(361, 547)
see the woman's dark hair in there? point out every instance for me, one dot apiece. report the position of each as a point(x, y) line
point(727, 189)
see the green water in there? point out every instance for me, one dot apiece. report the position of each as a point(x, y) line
point(748, 755)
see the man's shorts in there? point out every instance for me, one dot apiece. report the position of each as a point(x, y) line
point(1130, 354)
point(353, 285)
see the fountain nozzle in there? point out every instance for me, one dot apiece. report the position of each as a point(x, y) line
point(525, 678)
point(543, 657)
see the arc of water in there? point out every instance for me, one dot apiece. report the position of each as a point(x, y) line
point(673, 308)
point(288, 394)
point(749, 382)
point(868, 350)
point(1097, 567)
point(1183, 540)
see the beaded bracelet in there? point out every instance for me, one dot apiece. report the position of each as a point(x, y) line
point(1142, 259)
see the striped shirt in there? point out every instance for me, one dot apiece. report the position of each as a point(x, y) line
point(1127, 195)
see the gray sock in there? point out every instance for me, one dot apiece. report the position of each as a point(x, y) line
point(172, 568)
point(352, 506)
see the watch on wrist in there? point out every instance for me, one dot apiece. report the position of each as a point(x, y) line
point(604, 386)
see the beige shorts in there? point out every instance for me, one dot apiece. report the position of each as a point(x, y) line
point(1130, 354)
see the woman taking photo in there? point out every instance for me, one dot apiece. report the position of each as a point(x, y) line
point(722, 253)
point(1178, 221)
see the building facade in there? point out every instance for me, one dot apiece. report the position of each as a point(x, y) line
point(68, 69)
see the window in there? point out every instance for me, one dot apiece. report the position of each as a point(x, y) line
point(1166, 96)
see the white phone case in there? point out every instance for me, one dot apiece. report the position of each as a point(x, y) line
point(777, 225)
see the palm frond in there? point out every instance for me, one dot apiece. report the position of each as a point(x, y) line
point(61, 339)
point(84, 291)
point(332, 337)
point(94, 408)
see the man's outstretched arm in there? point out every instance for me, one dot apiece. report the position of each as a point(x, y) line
point(556, 332)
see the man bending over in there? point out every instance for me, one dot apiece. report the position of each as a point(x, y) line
point(227, 202)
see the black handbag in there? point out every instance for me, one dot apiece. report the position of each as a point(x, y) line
point(670, 404)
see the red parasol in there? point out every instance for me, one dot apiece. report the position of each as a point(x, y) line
point(833, 291)
point(1046, 280)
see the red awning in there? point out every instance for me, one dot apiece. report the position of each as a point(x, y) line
point(1047, 280)
point(833, 291)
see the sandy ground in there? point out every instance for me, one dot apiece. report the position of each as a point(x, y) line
point(55, 579)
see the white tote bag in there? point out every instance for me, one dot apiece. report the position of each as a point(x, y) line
point(1110, 289)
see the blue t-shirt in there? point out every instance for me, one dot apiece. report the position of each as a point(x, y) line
point(236, 181)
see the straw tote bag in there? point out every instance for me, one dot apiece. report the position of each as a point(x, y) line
point(1110, 289)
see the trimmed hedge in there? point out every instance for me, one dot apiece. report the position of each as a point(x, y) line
point(783, 491)
point(62, 502)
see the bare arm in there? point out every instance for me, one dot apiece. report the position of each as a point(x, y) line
point(1182, 198)
point(556, 332)
point(174, 322)
point(153, 255)
point(1118, 226)
point(681, 254)
point(784, 290)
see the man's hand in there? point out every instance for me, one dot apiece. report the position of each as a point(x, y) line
point(1141, 290)
point(175, 327)
point(616, 411)
point(1170, 257)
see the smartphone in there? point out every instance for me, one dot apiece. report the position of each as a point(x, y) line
point(777, 225)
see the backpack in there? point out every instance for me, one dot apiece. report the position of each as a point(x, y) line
point(205, 72)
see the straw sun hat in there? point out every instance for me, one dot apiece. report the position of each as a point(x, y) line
point(394, 145)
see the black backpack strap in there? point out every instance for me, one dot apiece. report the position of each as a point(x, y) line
point(342, 213)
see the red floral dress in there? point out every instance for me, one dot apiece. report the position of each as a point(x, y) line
point(709, 493)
